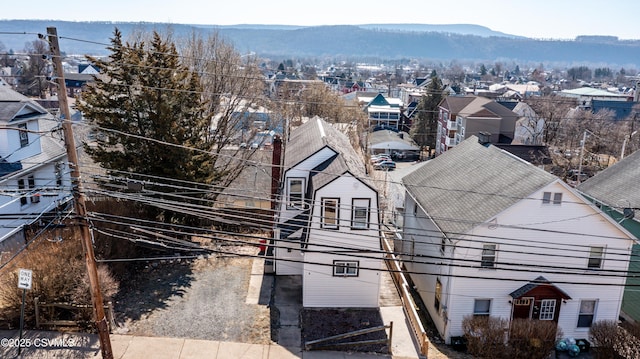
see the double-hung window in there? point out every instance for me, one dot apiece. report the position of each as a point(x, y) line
point(21, 191)
point(330, 210)
point(345, 268)
point(360, 213)
point(586, 313)
point(295, 193)
point(596, 255)
point(488, 259)
point(35, 197)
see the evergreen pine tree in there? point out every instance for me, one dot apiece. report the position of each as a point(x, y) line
point(424, 126)
point(149, 111)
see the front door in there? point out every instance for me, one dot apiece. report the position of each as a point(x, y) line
point(522, 308)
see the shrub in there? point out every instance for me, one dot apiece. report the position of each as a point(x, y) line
point(604, 336)
point(485, 336)
point(532, 339)
point(632, 328)
point(624, 338)
point(59, 276)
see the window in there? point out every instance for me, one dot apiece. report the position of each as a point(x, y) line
point(596, 255)
point(24, 135)
point(438, 296)
point(481, 307)
point(296, 194)
point(35, 197)
point(360, 213)
point(586, 314)
point(547, 309)
point(488, 259)
point(345, 268)
point(557, 198)
point(58, 173)
point(21, 190)
point(330, 212)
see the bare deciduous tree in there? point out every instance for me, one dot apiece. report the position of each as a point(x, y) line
point(232, 89)
point(33, 80)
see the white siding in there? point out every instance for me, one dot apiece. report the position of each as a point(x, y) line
point(45, 185)
point(301, 170)
point(320, 287)
point(421, 253)
point(291, 263)
point(530, 235)
point(13, 150)
point(288, 263)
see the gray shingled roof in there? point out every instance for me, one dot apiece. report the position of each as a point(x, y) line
point(618, 185)
point(471, 183)
point(303, 141)
point(307, 140)
point(11, 102)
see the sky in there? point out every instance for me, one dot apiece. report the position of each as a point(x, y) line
point(548, 19)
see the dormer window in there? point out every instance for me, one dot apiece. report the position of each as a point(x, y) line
point(295, 191)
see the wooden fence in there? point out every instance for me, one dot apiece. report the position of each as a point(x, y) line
point(395, 268)
point(46, 314)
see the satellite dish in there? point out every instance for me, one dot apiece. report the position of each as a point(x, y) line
point(628, 213)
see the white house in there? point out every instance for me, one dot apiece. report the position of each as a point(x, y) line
point(328, 228)
point(34, 179)
point(616, 190)
point(486, 233)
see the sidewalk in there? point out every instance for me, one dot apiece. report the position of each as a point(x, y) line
point(135, 347)
point(287, 298)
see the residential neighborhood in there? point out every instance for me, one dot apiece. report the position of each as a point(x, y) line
point(290, 207)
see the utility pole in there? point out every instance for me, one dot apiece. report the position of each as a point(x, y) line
point(78, 197)
point(584, 139)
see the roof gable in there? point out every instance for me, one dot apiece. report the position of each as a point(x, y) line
point(379, 100)
point(471, 183)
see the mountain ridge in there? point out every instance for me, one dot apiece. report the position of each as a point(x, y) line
point(382, 41)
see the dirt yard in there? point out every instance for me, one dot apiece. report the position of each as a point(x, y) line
point(203, 299)
point(323, 323)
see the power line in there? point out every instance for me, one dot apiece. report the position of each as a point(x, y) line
point(329, 246)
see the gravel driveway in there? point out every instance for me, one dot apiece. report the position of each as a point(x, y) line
point(206, 301)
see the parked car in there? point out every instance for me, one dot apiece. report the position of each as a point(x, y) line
point(380, 155)
point(385, 165)
point(381, 160)
point(378, 158)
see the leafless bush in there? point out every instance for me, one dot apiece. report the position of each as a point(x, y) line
point(485, 336)
point(632, 328)
point(532, 339)
point(59, 276)
point(612, 341)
